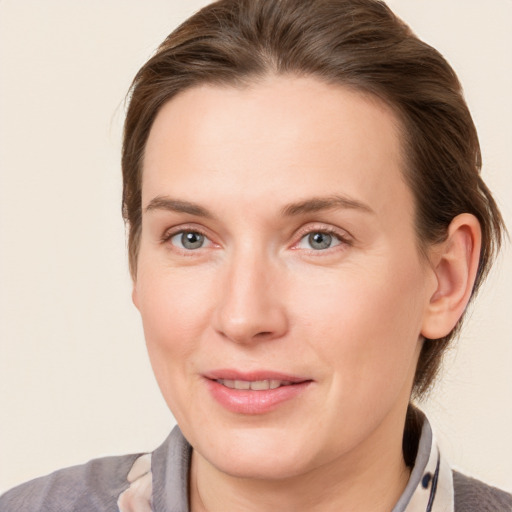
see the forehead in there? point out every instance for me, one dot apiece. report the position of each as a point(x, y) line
point(297, 136)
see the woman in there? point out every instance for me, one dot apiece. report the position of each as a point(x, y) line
point(307, 225)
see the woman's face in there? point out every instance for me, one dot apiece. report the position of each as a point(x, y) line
point(279, 281)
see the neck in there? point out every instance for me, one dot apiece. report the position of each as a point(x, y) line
point(357, 481)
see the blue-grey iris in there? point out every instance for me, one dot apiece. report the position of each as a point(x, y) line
point(319, 241)
point(192, 240)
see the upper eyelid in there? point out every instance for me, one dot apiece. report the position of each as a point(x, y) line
point(309, 228)
point(173, 231)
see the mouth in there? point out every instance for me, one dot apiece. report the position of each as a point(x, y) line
point(254, 393)
point(254, 385)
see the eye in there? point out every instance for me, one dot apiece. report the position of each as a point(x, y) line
point(188, 240)
point(319, 241)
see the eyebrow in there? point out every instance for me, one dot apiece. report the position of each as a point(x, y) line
point(316, 204)
point(311, 205)
point(175, 205)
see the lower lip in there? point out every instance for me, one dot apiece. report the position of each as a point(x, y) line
point(254, 402)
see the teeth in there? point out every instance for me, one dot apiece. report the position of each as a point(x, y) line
point(255, 385)
point(260, 385)
point(241, 384)
point(274, 384)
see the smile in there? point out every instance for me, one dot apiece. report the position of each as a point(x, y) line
point(254, 385)
point(254, 393)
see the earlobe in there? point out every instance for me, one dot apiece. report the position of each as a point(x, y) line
point(135, 298)
point(455, 264)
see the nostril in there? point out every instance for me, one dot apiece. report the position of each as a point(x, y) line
point(263, 334)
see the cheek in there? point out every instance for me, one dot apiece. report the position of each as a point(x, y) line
point(175, 308)
point(172, 321)
point(361, 322)
point(172, 301)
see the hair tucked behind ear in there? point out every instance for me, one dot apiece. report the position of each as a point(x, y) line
point(359, 44)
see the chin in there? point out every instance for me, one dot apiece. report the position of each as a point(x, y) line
point(259, 466)
point(258, 453)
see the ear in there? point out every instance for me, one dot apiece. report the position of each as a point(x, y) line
point(455, 264)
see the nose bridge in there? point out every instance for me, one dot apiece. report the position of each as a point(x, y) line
point(250, 305)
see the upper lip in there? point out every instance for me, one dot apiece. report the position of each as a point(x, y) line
point(251, 376)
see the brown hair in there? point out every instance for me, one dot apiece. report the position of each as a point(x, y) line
point(356, 43)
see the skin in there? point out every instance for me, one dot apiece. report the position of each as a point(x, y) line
point(244, 167)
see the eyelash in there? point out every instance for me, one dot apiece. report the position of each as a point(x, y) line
point(302, 234)
point(343, 240)
point(170, 234)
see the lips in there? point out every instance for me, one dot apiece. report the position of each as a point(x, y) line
point(256, 392)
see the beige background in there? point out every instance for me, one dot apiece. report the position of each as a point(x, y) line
point(75, 382)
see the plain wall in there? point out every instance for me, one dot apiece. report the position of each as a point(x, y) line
point(75, 381)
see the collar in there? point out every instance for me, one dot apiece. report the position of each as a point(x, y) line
point(159, 481)
point(430, 486)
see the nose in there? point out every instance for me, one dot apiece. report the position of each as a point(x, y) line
point(251, 306)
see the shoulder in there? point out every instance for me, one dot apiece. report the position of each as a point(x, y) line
point(472, 495)
point(91, 487)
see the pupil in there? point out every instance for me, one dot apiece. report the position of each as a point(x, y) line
point(192, 240)
point(320, 240)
